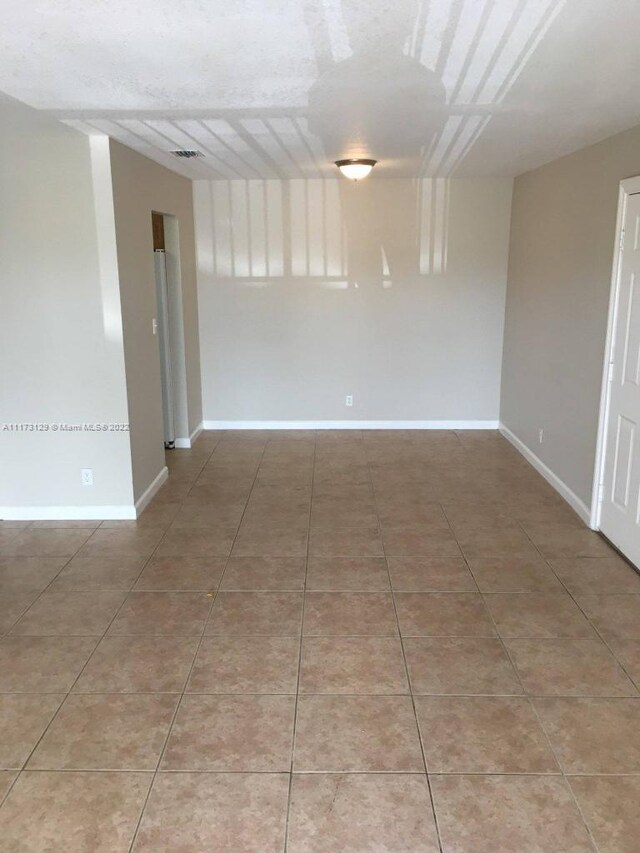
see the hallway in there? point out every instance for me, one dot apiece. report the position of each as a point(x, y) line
point(331, 642)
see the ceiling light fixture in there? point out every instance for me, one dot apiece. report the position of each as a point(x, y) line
point(357, 169)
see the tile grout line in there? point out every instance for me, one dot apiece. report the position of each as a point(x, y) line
point(421, 773)
point(186, 682)
point(45, 588)
point(565, 777)
point(145, 562)
point(178, 703)
point(598, 633)
point(540, 721)
point(395, 694)
point(530, 703)
point(297, 695)
point(407, 676)
point(548, 564)
point(99, 640)
point(66, 695)
point(179, 699)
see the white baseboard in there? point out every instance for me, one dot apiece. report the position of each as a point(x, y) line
point(186, 443)
point(222, 425)
point(84, 513)
point(150, 491)
point(67, 513)
point(576, 503)
point(196, 432)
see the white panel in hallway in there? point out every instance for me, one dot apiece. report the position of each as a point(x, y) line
point(620, 516)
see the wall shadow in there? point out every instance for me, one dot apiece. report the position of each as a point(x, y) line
point(412, 83)
point(329, 232)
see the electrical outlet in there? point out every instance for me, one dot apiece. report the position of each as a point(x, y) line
point(86, 475)
point(540, 436)
point(348, 400)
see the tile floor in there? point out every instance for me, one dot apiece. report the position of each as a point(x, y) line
point(383, 642)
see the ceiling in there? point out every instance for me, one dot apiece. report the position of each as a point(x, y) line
point(281, 88)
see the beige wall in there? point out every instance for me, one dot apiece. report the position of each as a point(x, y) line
point(389, 290)
point(61, 351)
point(561, 255)
point(140, 187)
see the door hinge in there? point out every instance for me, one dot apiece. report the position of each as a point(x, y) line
point(610, 376)
point(621, 246)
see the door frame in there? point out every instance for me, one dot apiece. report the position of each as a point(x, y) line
point(176, 326)
point(629, 186)
point(177, 334)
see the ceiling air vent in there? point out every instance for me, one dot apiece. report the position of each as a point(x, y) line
point(186, 153)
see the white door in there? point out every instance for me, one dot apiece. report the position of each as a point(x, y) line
point(620, 510)
point(162, 297)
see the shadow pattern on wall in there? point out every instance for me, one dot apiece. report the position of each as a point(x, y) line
point(330, 232)
point(414, 84)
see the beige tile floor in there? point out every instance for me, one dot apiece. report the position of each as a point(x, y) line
point(383, 642)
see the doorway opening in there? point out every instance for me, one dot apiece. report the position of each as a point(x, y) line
point(170, 329)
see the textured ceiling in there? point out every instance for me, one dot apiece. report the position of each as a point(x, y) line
point(281, 88)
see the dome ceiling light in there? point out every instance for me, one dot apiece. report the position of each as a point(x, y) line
point(356, 169)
